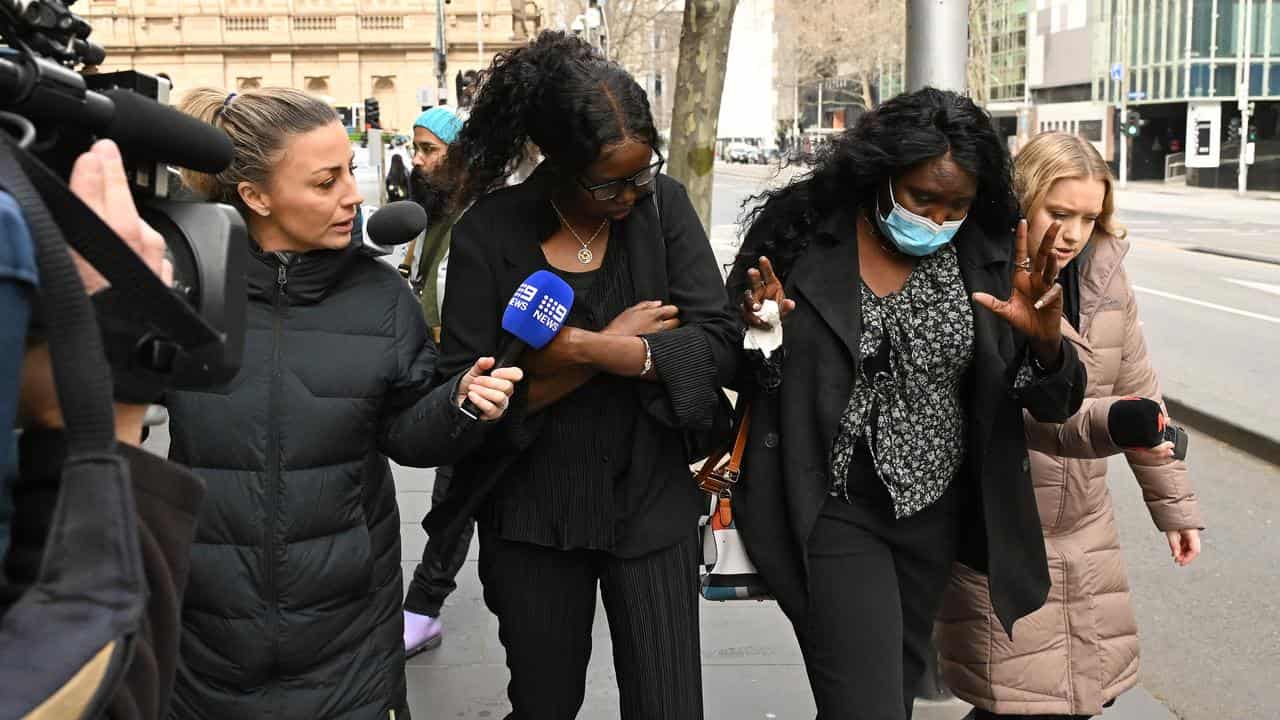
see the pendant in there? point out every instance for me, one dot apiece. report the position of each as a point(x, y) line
point(585, 256)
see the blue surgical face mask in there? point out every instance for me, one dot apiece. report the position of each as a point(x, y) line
point(914, 234)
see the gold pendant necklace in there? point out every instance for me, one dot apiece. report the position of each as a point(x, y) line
point(585, 256)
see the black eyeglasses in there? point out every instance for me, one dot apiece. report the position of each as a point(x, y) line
point(640, 181)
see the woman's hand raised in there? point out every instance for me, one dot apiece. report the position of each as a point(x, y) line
point(1035, 306)
point(763, 285)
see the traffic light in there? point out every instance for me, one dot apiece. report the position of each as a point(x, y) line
point(372, 115)
point(1133, 123)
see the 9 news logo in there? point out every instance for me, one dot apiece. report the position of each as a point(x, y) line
point(550, 312)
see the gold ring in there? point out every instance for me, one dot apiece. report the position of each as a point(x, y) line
point(1024, 265)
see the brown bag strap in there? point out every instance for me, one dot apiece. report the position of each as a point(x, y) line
point(717, 480)
point(740, 443)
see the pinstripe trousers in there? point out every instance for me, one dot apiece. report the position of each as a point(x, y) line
point(545, 600)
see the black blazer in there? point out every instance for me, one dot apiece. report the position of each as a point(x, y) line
point(497, 244)
point(787, 465)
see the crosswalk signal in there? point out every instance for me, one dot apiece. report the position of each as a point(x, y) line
point(372, 116)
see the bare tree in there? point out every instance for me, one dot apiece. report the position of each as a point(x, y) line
point(979, 71)
point(631, 27)
point(851, 39)
point(704, 51)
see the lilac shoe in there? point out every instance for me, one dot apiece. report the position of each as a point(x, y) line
point(421, 633)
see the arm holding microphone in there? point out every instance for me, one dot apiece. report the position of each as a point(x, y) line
point(423, 424)
point(1135, 422)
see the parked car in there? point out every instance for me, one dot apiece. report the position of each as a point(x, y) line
point(744, 153)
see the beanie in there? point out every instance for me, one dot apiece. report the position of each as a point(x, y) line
point(441, 122)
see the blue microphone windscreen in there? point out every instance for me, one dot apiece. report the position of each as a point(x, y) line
point(538, 309)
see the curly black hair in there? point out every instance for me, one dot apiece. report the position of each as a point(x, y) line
point(886, 142)
point(558, 92)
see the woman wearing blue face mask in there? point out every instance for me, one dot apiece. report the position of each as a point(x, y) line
point(886, 437)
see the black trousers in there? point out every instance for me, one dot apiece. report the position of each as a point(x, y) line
point(434, 577)
point(545, 600)
point(875, 586)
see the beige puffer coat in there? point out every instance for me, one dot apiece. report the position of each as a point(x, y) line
point(1081, 649)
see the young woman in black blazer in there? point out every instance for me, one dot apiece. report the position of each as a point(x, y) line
point(886, 437)
point(586, 484)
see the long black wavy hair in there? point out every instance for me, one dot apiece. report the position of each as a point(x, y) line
point(558, 92)
point(885, 143)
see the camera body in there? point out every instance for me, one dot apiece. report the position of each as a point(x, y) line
point(196, 341)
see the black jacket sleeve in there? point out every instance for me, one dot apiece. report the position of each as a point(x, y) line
point(421, 425)
point(1056, 396)
point(694, 361)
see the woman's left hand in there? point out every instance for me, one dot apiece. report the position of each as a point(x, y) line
point(490, 393)
point(1184, 544)
point(1035, 306)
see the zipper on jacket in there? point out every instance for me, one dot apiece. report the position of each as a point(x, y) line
point(273, 473)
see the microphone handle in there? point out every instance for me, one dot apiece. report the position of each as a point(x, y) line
point(506, 358)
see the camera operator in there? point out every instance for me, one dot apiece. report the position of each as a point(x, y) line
point(166, 496)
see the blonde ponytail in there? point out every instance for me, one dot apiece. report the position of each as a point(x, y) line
point(259, 122)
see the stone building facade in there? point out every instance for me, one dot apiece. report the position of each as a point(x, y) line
point(345, 50)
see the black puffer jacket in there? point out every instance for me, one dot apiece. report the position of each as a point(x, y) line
point(293, 608)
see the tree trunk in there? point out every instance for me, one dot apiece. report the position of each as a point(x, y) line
point(704, 51)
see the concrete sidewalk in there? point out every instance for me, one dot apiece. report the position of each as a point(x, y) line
point(751, 664)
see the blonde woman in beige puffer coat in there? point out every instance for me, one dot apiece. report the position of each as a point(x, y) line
point(1080, 651)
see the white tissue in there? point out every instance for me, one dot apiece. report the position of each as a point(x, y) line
point(762, 339)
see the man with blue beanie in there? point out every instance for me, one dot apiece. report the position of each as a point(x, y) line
point(433, 131)
point(433, 578)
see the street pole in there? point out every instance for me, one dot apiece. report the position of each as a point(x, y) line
point(937, 44)
point(795, 99)
point(1243, 177)
point(1124, 92)
point(480, 34)
point(937, 56)
point(442, 89)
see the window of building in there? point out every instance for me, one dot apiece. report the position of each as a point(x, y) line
point(1273, 78)
point(1199, 81)
point(1228, 27)
point(1255, 79)
point(1201, 28)
point(1275, 30)
point(1090, 130)
point(1178, 41)
point(1258, 34)
point(318, 84)
point(248, 83)
point(657, 85)
point(1224, 80)
point(1179, 83)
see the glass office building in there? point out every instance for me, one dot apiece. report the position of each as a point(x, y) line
point(1173, 52)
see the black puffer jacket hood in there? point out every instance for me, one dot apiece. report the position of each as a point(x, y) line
point(293, 608)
